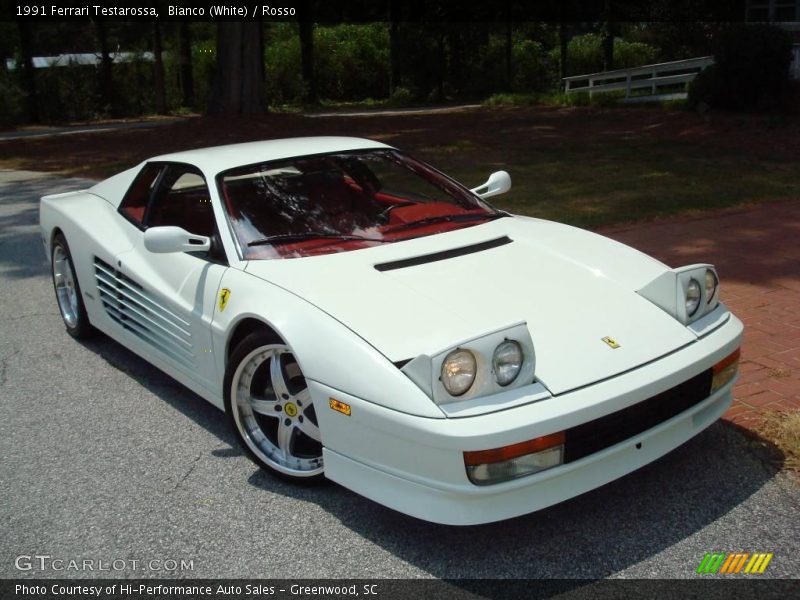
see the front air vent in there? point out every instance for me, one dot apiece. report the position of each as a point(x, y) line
point(593, 436)
point(136, 310)
point(443, 255)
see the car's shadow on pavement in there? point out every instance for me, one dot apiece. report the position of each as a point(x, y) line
point(162, 385)
point(592, 536)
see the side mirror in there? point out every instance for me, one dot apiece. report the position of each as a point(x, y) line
point(498, 183)
point(174, 239)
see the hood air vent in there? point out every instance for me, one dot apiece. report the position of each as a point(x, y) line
point(443, 255)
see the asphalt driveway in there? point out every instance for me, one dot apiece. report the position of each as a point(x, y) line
point(103, 457)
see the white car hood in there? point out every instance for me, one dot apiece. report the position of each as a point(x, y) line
point(571, 287)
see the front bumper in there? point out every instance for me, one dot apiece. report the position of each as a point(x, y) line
point(415, 465)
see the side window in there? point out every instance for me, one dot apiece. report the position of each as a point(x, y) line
point(134, 204)
point(182, 200)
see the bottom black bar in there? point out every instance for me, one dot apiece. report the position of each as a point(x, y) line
point(709, 586)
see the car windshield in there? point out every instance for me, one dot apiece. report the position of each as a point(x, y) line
point(345, 201)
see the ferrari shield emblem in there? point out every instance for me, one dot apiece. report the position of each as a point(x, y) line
point(224, 294)
point(611, 342)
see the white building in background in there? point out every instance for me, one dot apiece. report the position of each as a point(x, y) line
point(781, 13)
point(90, 59)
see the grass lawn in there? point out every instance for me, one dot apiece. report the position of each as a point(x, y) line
point(783, 430)
point(584, 166)
point(611, 182)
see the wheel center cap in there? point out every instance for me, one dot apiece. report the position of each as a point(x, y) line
point(290, 409)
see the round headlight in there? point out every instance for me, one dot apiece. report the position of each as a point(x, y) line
point(458, 372)
point(507, 361)
point(692, 297)
point(711, 285)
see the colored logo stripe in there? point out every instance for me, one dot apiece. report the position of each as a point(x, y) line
point(734, 563)
point(758, 564)
point(711, 562)
point(729, 563)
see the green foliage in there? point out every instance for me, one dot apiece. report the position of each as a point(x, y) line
point(401, 97)
point(433, 62)
point(751, 70)
point(282, 65)
point(67, 93)
point(707, 88)
point(674, 37)
point(585, 54)
point(12, 100)
point(512, 100)
point(70, 93)
point(604, 100)
point(533, 69)
point(607, 99)
point(673, 104)
point(352, 61)
point(134, 87)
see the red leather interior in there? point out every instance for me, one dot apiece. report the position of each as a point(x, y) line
point(190, 209)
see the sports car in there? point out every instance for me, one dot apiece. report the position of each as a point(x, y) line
point(362, 317)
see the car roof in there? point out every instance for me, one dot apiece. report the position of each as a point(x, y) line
point(221, 158)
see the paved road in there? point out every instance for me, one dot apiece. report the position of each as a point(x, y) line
point(38, 132)
point(103, 457)
point(393, 112)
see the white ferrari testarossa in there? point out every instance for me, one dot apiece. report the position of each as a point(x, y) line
point(361, 316)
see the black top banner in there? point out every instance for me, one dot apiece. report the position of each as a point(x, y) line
point(337, 11)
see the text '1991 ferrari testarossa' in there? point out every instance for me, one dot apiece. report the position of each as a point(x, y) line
point(363, 317)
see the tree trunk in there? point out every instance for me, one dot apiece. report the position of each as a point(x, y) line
point(455, 59)
point(609, 29)
point(441, 71)
point(394, 53)
point(28, 72)
point(307, 54)
point(608, 48)
point(185, 62)
point(562, 53)
point(105, 76)
point(239, 77)
point(509, 50)
point(158, 71)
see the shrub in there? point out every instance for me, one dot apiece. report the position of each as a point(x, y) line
point(751, 70)
point(532, 67)
point(512, 100)
point(12, 100)
point(352, 61)
point(282, 64)
point(585, 54)
point(67, 93)
point(401, 96)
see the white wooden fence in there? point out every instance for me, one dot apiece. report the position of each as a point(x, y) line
point(645, 83)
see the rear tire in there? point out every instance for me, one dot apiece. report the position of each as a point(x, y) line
point(68, 291)
point(270, 410)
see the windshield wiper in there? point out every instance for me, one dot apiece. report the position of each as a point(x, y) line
point(311, 235)
point(446, 219)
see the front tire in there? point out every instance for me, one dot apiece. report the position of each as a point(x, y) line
point(270, 410)
point(68, 291)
